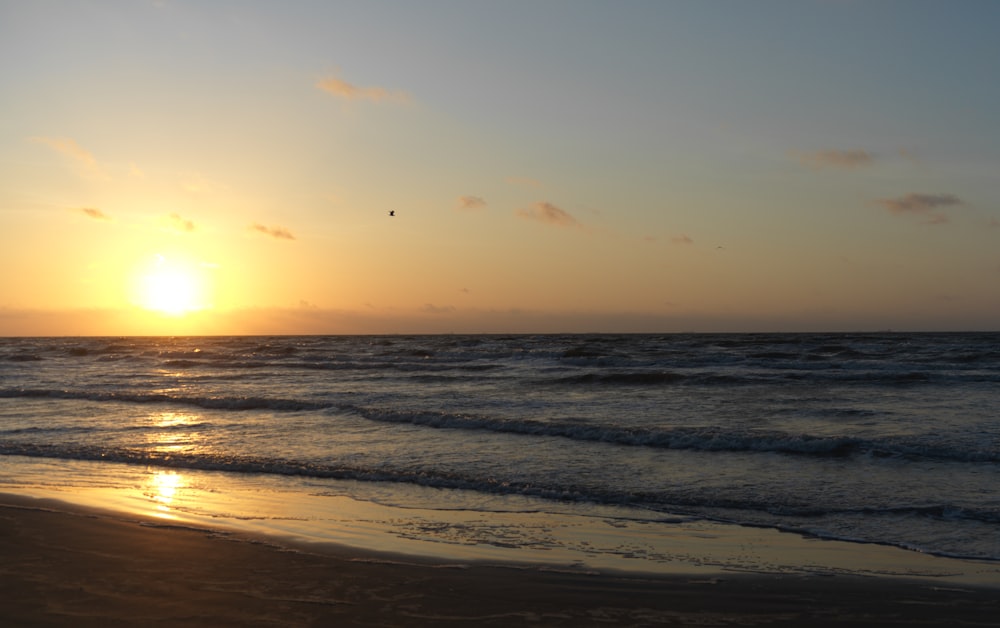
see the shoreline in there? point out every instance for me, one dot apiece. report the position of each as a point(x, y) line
point(509, 531)
point(66, 564)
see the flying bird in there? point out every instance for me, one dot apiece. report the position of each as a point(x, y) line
point(392, 212)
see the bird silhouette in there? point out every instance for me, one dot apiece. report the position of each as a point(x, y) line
point(392, 212)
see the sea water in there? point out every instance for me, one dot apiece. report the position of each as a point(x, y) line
point(889, 439)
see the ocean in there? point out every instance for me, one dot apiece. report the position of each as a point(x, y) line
point(875, 439)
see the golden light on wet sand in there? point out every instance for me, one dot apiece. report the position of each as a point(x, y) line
point(162, 490)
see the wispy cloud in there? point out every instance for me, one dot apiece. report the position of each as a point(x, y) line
point(682, 239)
point(471, 202)
point(921, 205)
point(549, 214)
point(180, 224)
point(84, 161)
point(275, 232)
point(95, 213)
point(430, 308)
point(348, 91)
point(843, 159)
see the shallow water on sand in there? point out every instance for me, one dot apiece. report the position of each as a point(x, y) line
point(502, 530)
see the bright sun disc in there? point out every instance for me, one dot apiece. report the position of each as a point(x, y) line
point(172, 288)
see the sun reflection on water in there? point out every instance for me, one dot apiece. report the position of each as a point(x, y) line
point(168, 435)
point(174, 419)
point(171, 437)
point(163, 489)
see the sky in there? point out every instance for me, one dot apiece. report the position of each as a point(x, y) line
point(229, 167)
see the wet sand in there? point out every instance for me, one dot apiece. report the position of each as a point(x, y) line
point(61, 565)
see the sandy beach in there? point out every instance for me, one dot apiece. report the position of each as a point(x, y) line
point(65, 565)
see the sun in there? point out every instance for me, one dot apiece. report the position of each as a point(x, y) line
point(172, 286)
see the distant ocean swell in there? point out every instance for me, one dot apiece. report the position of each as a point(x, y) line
point(604, 375)
point(774, 374)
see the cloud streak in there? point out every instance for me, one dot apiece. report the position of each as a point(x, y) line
point(918, 203)
point(921, 205)
point(85, 162)
point(340, 88)
point(279, 233)
point(471, 202)
point(430, 308)
point(549, 214)
point(842, 159)
point(95, 213)
point(181, 224)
